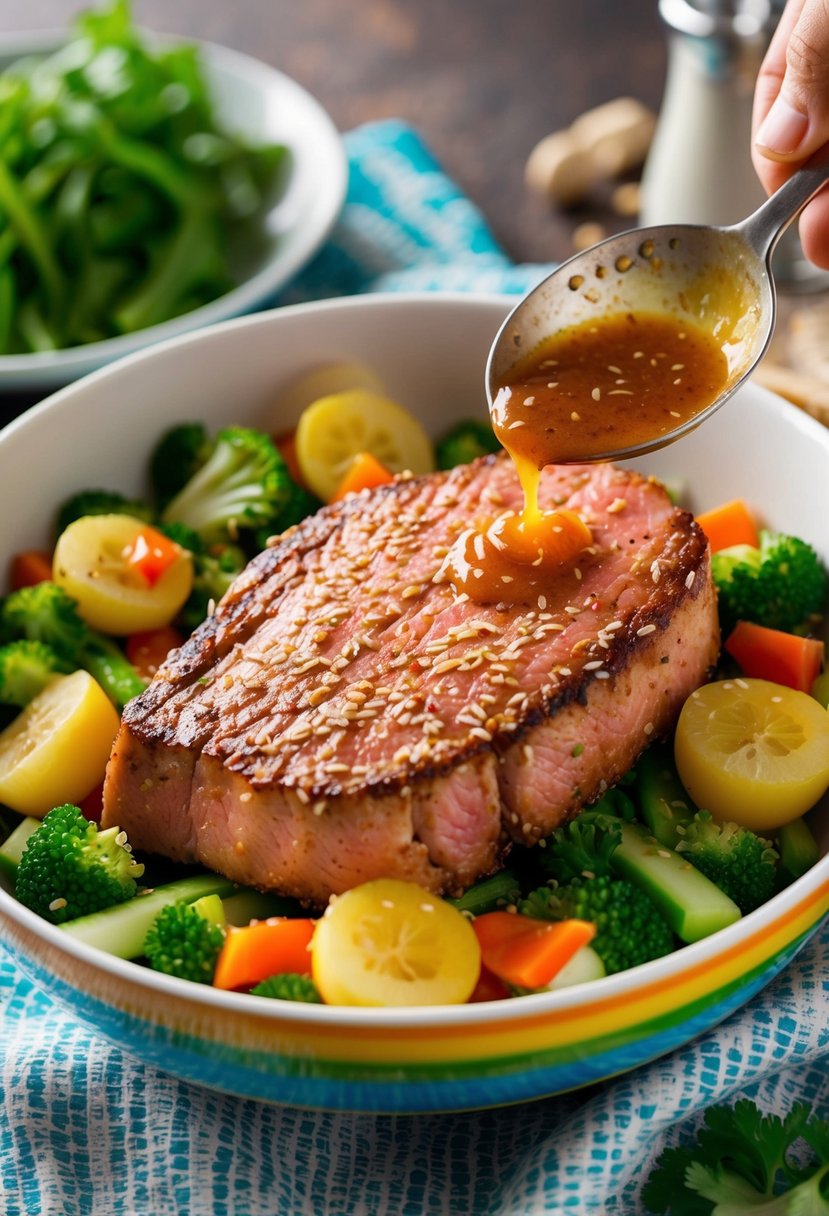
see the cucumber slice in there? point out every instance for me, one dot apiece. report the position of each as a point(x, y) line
point(799, 850)
point(663, 801)
point(585, 965)
point(13, 846)
point(691, 904)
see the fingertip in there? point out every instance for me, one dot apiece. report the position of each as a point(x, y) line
point(781, 133)
point(814, 231)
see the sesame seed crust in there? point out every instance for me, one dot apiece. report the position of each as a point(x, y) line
point(294, 684)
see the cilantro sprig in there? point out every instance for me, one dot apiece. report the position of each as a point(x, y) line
point(744, 1164)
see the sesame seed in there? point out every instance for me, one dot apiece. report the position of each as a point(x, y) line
point(689, 579)
point(616, 506)
point(649, 728)
point(596, 394)
point(552, 384)
point(529, 400)
point(57, 904)
point(646, 629)
point(246, 796)
point(575, 417)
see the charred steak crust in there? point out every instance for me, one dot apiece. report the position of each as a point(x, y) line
point(340, 672)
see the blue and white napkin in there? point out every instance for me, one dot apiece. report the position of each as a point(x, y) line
point(88, 1131)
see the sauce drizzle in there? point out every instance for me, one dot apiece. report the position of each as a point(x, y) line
point(592, 388)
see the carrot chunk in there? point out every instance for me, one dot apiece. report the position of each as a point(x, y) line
point(526, 952)
point(266, 947)
point(730, 524)
point(151, 554)
point(30, 567)
point(364, 473)
point(770, 654)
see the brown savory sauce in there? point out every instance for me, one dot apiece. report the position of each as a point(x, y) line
point(590, 389)
point(606, 385)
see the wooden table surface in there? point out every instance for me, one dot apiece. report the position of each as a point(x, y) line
point(483, 80)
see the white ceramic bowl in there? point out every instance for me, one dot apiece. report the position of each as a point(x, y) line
point(430, 351)
point(262, 104)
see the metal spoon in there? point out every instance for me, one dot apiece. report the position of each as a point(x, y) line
point(717, 278)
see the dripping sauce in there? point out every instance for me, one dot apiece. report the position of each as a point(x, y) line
point(590, 389)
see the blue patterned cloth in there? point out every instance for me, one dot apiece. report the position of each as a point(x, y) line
point(87, 1131)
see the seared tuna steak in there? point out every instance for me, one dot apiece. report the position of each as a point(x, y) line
point(345, 715)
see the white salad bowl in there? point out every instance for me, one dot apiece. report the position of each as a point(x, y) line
point(255, 101)
point(430, 351)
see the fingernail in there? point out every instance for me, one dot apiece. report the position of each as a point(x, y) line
point(783, 128)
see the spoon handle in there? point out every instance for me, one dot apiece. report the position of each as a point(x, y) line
point(763, 229)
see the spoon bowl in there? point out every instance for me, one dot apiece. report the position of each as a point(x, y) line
point(717, 279)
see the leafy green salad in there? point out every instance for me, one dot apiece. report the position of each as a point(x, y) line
point(124, 201)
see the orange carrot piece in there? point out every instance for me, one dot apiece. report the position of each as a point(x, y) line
point(29, 568)
point(526, 952)
point(730, 524)
point(148, 650)
point(286, 446)
point(266, 947)
point(770, 654)
point(364, 473)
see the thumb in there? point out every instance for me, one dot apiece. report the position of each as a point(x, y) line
point(791, 109)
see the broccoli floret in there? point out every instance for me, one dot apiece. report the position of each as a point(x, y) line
point(465, 443)
point(629, 927)
point(299, 505)
point(737, 860)
point(244, 484)
point(583, 848)
point(779, 585)
point(289, 987)
point(71, 868)
point(213, 572)
point(185, 939)
point(43, 613)
point(184, 536)
point(178, 455)
point(100, 502)
point(25, 669)
point(46, 614)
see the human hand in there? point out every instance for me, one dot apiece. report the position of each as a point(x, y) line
point(791, 112)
